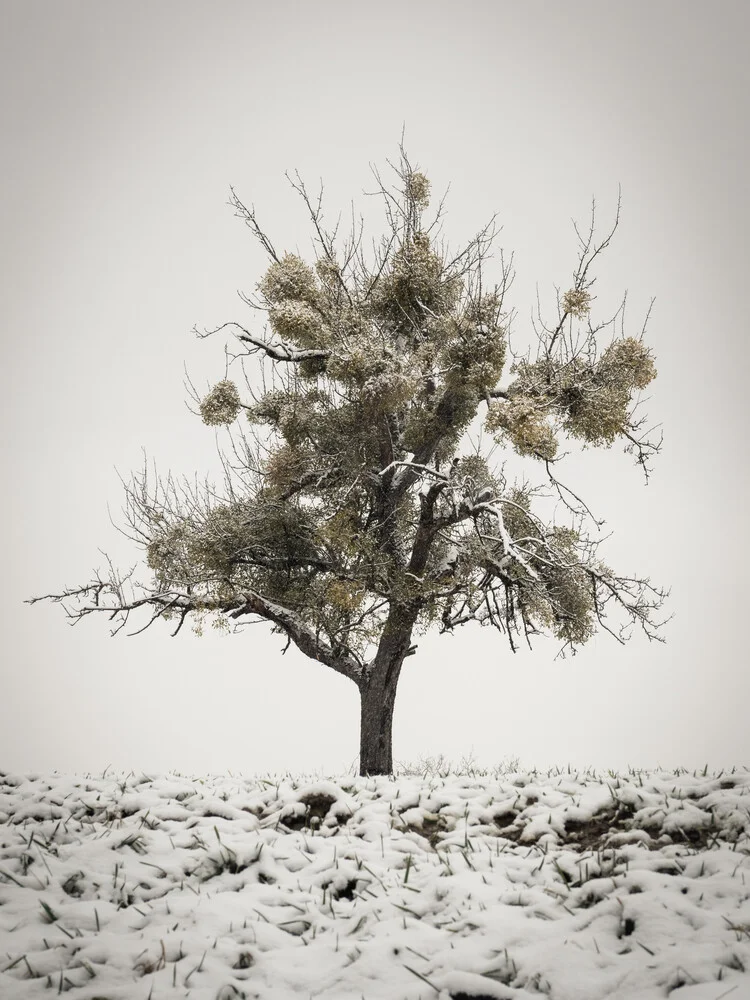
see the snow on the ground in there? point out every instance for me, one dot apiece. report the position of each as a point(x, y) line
point(575, 886)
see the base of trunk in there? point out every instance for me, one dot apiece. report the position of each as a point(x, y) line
point(376, 730)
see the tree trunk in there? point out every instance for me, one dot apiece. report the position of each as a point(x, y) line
point(377, 699)
point(378, 692)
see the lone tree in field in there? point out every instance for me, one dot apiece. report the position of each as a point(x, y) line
point(351, 516)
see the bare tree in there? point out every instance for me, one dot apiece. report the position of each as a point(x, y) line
point(353, 513)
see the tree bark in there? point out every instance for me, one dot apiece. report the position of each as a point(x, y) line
point(377, 689)
point(376, 726)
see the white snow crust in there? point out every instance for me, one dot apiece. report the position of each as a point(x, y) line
point(573, 886)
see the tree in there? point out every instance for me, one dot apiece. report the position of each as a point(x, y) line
point(355, 512)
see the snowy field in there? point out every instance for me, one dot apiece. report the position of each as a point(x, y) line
point(574, 886)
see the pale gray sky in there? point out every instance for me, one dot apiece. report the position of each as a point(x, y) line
point(123, 127)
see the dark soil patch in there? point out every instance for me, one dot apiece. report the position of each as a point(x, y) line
point(222, 865)
point(697, 836)
point(316, 809)
point(505, 818)
point(317, 805)
point(347, 892)
point(471, 996)
point(432, 828)
point(295, 822)
point(588, 834)
point(589, 900)
point(71, 884)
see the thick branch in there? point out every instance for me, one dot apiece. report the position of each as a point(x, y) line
point(277, 350)
point(170, 601)
point(428, 526)
point(301, 634)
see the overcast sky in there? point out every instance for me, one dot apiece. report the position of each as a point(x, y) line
point(123, 127)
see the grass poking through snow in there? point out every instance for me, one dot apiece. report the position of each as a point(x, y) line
point(431, 884)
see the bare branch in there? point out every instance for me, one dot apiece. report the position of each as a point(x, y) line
point(248, 215)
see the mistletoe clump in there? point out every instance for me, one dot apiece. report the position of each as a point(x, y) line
point(289, 279)
point(415, 287)
point(628, 362)
point(597, 402)
point(577, 302)
point(418, 189)
point(523, 421)
point(221, 405)
point(293, 300)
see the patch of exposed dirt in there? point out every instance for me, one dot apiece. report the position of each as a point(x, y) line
point(432, 828)
point(318, 804)
point(471, 996)
point(590, 834)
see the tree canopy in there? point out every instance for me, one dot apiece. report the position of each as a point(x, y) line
point(361, 502)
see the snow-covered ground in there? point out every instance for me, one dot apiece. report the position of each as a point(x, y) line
point(577, 886)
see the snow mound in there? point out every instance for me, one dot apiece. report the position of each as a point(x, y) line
point(573, 886)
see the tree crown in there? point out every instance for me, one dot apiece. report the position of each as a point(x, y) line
point(349, 491)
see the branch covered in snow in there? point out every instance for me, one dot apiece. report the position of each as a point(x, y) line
point(302, 635)
point(114, 597)
point(276, 350)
